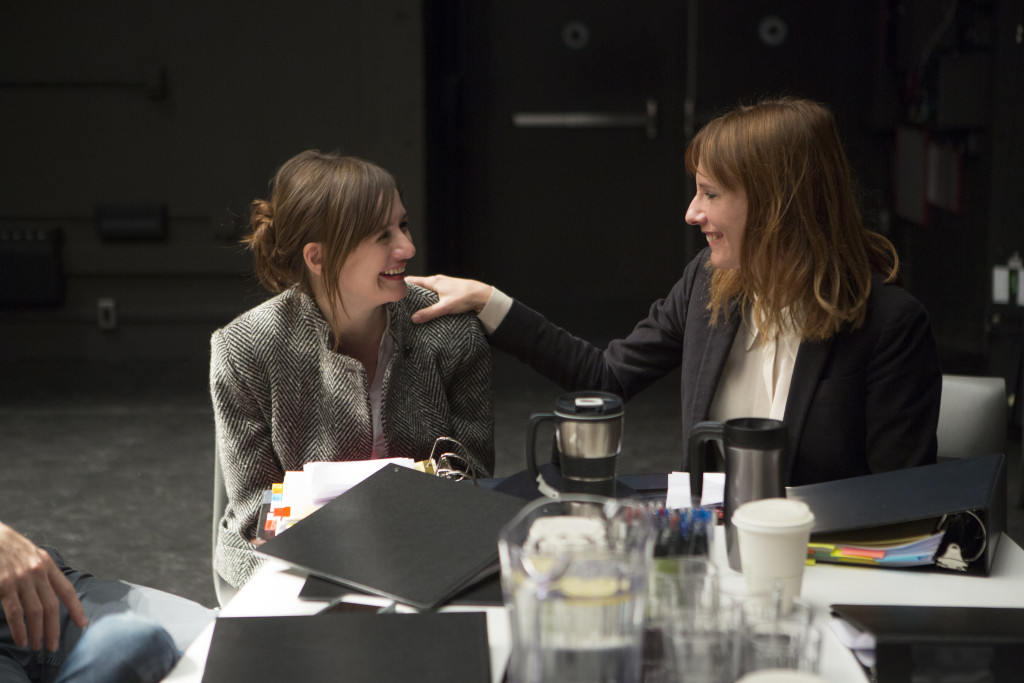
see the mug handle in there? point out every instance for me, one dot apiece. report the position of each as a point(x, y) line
point(700, 435)
point(531, 437)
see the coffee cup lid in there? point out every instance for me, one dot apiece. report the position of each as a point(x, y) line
point(588, 405)
point(772, 514)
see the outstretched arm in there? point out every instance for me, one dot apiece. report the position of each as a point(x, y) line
point(454, 296)
point(31, 590)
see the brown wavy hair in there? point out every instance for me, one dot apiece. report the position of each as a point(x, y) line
point(805, 247)
point(316, 197)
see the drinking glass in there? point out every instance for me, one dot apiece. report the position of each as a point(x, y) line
point(777, 639)
point(676, 585)
point(702, 636)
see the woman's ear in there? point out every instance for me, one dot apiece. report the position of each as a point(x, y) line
point(313, 255)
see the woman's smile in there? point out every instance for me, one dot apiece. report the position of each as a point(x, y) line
point(721, 214)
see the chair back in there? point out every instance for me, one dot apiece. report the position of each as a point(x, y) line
point(224, 590)
point(972, 416)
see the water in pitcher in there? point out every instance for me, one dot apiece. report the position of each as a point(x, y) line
point(584, 630)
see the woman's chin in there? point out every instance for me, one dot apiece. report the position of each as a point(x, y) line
point(723, 262)
point(395, 290)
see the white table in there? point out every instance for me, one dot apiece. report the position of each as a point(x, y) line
point(274, 592)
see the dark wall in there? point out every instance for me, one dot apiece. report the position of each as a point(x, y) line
point(957, 68)
point(927, 95)
point(192, 105)
point(189, 106)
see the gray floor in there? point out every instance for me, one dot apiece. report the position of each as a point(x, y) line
point(113, 464)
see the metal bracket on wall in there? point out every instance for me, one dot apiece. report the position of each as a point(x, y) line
point(116, 223)
point(591, 119)
point(153, 84)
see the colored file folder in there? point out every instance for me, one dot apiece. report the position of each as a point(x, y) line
point(915, 552)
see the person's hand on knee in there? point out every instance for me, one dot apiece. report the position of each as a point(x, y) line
point(31, 590)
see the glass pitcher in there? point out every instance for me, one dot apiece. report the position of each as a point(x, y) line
point(574, 578)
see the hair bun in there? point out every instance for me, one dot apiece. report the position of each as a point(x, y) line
point(261, 215)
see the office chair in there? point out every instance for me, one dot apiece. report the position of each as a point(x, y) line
point(224, 590)
point(972, 417)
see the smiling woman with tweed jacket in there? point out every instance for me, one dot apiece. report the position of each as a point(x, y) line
point(332, 368)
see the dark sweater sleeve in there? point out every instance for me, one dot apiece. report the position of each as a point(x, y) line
point(626, 367)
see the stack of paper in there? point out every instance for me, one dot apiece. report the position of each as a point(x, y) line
point(328, 480)
point(305, 491)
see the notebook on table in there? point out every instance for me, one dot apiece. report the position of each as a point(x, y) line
point(924, 643)
point(403, 535)
point(352, 647)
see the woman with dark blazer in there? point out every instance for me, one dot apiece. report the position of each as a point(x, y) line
point(793, 311)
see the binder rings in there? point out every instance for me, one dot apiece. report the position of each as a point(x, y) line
point(353, 647)
point(941, 643)
point(401, 534)
point(965, 500)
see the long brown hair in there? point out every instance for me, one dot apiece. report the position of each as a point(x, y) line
point(316, 197)
point(805, 247)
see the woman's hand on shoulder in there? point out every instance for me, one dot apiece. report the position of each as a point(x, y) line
point(454, 296)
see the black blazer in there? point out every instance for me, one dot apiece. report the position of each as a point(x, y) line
point(864, 401)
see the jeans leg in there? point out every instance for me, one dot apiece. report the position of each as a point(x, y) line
point(183, 619)
point(11, 671)
point(120, 648)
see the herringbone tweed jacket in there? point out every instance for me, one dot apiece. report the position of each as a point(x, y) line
point(282, 397)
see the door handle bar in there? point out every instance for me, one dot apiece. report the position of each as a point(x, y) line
point(588, 119)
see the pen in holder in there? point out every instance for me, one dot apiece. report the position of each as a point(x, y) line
point(681, 532)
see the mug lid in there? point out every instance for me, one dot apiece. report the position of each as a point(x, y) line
point(588, 405)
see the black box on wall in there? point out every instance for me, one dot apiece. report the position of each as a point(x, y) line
point(31, 271)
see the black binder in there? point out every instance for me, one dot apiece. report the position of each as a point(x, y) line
point(486, 592)
point(965, 499)
point(434, 647)
point(942, 643)
point(401, 534)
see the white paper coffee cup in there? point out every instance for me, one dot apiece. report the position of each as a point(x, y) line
point(773, 536)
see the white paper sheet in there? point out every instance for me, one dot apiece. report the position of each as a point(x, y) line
point(328, 480)
point(678, 495)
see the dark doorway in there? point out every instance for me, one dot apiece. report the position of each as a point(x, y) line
point(556, 134)
point(564, 175)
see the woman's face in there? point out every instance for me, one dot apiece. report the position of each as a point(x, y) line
point(374, 273)
point(721, 216)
